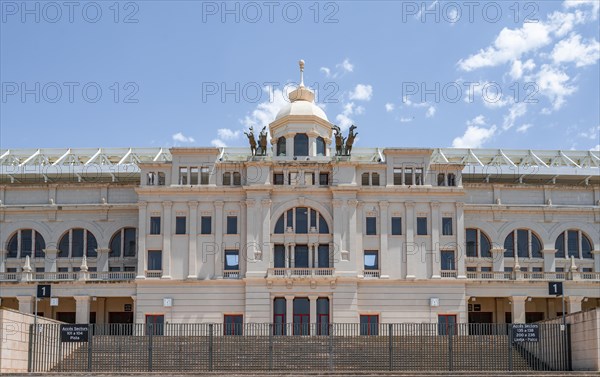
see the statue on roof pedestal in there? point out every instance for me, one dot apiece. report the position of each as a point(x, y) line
point(339, 141)
point(251, 140)
point(350, 140)
point(262, 142)
point(343, 145)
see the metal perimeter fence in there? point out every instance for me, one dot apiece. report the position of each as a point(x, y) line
point(306, 347)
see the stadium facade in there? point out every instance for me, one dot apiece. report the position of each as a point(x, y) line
point(302, 231)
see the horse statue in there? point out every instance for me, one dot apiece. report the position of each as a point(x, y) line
point(262, 141)
point(350, 139)
point(251, 140)
point(339, 141)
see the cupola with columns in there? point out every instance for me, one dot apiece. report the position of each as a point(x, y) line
point(301, 128)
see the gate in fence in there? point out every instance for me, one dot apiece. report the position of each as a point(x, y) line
point(303, 347)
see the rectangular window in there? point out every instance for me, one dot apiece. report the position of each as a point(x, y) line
point(204, 172)
point(471, 235)
point(421, 226)
point(154, 260)
point(155, 324)
point(301, 256)
point(279, 260)
point(237, 179)
point(180, 226)
point(324, 179)
point(193, 176)
point(323, 316)
point(441, 179)
point(397, 176)
point(522, 243)
point(232, 225)
point(419, 176)
point(205, 225)
point(155, 225)
point(323, 256)
point(114, 269)
point(161, 179)
point(446, 324)
point(183, 176)
point(279, 316)
point(76, 245)
point(278, 179)
point(365, 179)
point(371, 260)
point(227, 179)
point(396, 226)
point(232, 262)
point(446, 226)
point(301, 316)
point(369, 324)
point(408, 177)
point(374, 179)
point(448, 263)
point(371, 226)
point(233, 324)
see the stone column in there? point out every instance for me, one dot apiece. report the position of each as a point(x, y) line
point(26, 304)
point(596, 254)
point(289, 145)
point(518, 309)
point(50, 260)
point(102, 261)
point(252, 229)
point(166, 252)
point(218, 239)
point(289, 312)
point(337, 227)
point(292, 255)
point(549, 260)
point(435, 242)
point(313, 309)
point(497, 259)
point(384, 261)
point(142, 263)
point(350, 241)
point(574, 303)
point(193, 241)
point(265, 242)
point(100, 309)
point(460, 241)
point(412, 257)
point(312, 145)
point(3, 254)
point(82, 309)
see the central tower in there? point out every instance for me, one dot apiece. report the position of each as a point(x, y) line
point(301, 129)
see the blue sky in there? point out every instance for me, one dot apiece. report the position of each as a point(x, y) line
point(503, 74)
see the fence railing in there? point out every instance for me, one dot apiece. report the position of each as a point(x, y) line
point(112, 275)
point(298, 347)
point(300, 271)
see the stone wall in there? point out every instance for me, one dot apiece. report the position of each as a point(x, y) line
point(14, 333)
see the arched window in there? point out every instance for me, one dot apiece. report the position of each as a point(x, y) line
point(26, 242)
point(226, 179)
point(301, 145)
point(75, 241)
point(123, 243)
point(575, 242)
point(526, 243)
point(281, 144)
point(320, 146)
point(301, 220)
point(478, 244)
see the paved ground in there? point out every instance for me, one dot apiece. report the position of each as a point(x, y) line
point(328, 374)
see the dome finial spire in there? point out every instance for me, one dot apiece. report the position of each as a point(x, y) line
point(301, 63)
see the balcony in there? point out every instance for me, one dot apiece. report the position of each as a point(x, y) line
point(448, 273)
point(55, 276)
point(154, 274)
point(112, 275)
point(67, 276)
point(9, 276)
point(300, 272)
point(231, 274)
point(531, 275)
point(489, 275)
point(371, 273)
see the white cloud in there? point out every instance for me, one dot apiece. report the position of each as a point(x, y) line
point(430, 112)
point(596, 148)
point(228, 134)
point(218, 143)
point(573, 50)
point(344, 119)
point(522, 129)
point(554, 84)
point(475, 135)
point(518, 67)
point(584, 3)
point(593, 133)
point(516, 111)
point(182, 138)
point(362, 92)
point(359, 110)
point(389, 107)
point(265, 112)
point(340, 69)
point(405, 120)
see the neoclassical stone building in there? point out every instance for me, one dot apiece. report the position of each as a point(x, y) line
point(299, 235)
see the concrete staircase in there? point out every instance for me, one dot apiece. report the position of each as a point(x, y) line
point(346, 354)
